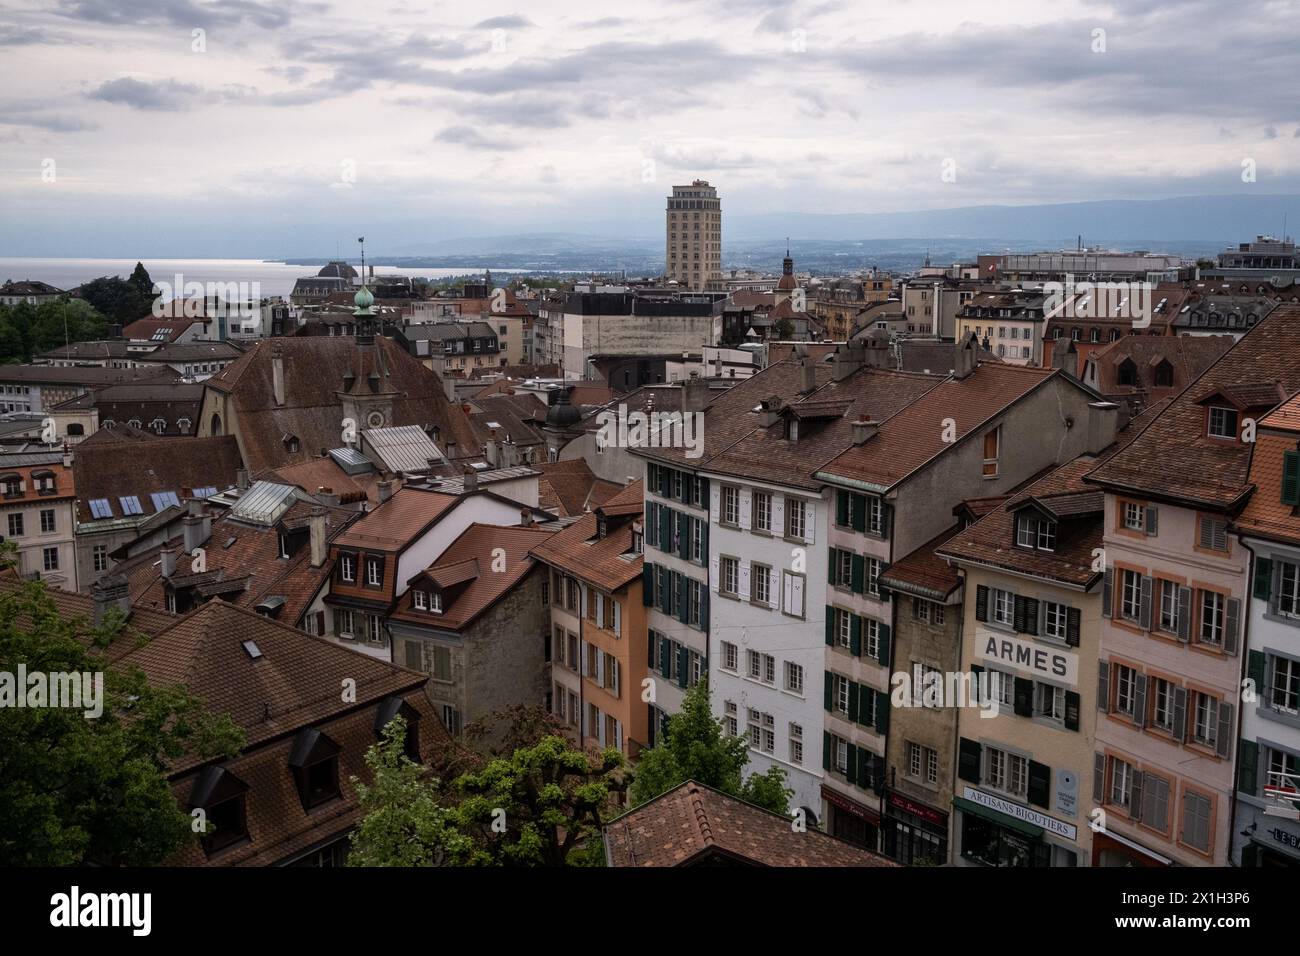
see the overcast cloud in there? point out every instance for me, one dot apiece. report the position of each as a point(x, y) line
point(288, 124)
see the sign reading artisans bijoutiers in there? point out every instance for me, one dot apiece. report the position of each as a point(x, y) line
point(1051, 824)
point(1028, 657)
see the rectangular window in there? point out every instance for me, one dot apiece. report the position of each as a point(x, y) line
point(374, 572)
point(843, 627)
point(730, 583)
point(842, 568)
point(1047, 536)
point(762, 511)
point(842, 688)
point(1162, 704)
point(1025, 532)
point(1288, 596)
point(1169, 607)
point(992, 441)
point(47, 522)
point(793, 677)
point(1054, 618)
point(1134, 516)
point(1205, 724)
point(729, 707)
point(1212, 610)
point(755, 664)
point(374, 629)
point(796, 518)
point(875, 515)
point(769, 669)
point(1130, 603)
point(1125, 687)
point(347, 567)
point(50, 557)
point(100, 553)
point(1284, 693)
point(1004, 603)
point(796, 743)
point(1196, 821)
point(760, 578)
point(1121, 783)
point(730, 505)
point(1008, 772)
point(16, 525)
point(441, 669)
point(730, 656)
point(1223, 422)
point(1214, 534)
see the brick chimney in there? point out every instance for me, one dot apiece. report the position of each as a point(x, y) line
point(385, 491)
point(807, 376)
point(471, 480)
point(695, 393)
point(108, 592)
point(864, 429)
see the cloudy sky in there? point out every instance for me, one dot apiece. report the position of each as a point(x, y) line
point(257, 127)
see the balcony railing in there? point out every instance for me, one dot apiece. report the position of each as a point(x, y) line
point(1282, 795)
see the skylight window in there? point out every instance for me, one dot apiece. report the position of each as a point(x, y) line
point(164, 499)
point(99, 508)
point(130, 505)
point(205, 492)
point(251, 649)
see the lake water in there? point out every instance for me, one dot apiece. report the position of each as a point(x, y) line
point(274, 278)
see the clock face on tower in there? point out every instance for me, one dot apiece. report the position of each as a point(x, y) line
point(375, 419)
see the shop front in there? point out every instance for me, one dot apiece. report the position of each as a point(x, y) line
point(995, 831)
point(1111, 849)
point(852, 821)
point(1273, 841)
point(914, 834)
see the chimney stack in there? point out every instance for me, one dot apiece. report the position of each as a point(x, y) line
point(769, 412)
point(864, 429)
point(807, 376)
point(241, 479)
point(277, 373)
point(1064, 356)
point(449, 387)
point(964, 360)
point(471, 480)
point(316, 523)
point(1103, 425)
point(525, 518)
point(695, 393)
point(194, 528)
point(385, 491)
point(167, 562)
point(108, 592)
point(849, 357)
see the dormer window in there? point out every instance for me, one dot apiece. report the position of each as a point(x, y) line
point(1127, 373)
point(374, 572)
point(1035, 533)
point(220, 795)
point(430, 601)
point(602, 526)
point(792, 429)
point(348, 567)
point(1164, 375)
point(1222, 422)
point(314, 762)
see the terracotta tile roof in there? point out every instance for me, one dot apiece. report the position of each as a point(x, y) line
point(463, 574)
point(1286, 417)
point(243, 564)
point(110, 470)
point(923, 572)
point(1188, 355)
point(1173, 457)
point(915, 435)
point(320, 474)
point(979, 507)
point(29, 474)
point(314, 367)
point(604, 562)
point(399, 520)
point(1265, 514)
point(1063, 491)
point(569, 488)
point(79, 609)
point(172, 329)
point(294, 683)
point(693, 824)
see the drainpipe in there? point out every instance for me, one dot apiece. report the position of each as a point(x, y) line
point(1244, 651)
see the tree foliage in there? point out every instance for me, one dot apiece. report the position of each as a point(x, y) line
point(696, 748)
point(119, 300)
point(80, 789)
point(540, 801)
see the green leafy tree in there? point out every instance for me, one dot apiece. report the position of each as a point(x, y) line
point(80, 789)
point(696, 748)
point(117, 299)
point(540, 801)
point(784, 329)
point(12, 348)
point(141, 282)
point(60, 321)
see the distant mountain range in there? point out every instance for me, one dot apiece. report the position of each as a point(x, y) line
point(1190, 226)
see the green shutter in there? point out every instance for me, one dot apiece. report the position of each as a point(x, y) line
point(842, 508)
point(829, 701)
point(832, 567)
point(859, 571)
point(683, 666)
point(1255, 663)
point(981, 603)
point(859, 513)
point(852, 770)
point(665, 658)
point(882, 712)
point(853, 703)
point(1291, 478)
point(830, 626)
point(855, 635)
point(1247, 769)
point(883, 637)
point(1263, 579)
point(826, 750)
point(865, 711)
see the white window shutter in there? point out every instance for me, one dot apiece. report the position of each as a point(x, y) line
point(618, 619)
point(746, 507)
point(713, 573)
point(600, 608)
point(778, 515)
point(618, 677)
point(796, 591)
point(744, 579)
point(787, 591)
point(810, 522)
point(715, 497)
point(583, 650)
point(774, 588)
point(618, 734)
point(582, 600)
point(600, 667)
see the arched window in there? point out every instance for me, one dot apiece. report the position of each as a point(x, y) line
point(76, 429)
point(1128, 373)
point(1164, 374)
point(216, 424)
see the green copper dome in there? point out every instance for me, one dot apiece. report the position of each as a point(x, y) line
point(363, 300)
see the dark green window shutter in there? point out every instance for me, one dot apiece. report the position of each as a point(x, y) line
point(981, 603)
point(1024, 699)
point(865, 761)
point(1291, 478)
point(882, 642)
point(855, 635)
point(859, 571)
point(651, 646)
point(1255, 663)
point(833, 566)
point(1099, 777)
point(968, 760)
point(666, 529)
point(1107, 592)
point(1247, 770)
point(829, 701)
point(665, 482)
point(859, 513)
point(1018, 614)
point(704, 607)
point(1031, 616)
point(647, 584)
point(1072, 618)
point(842, 508)
point(852, 771)
point(683, 666)
point(665, 657)
point(1071, 710)
point(1040, 784)
point(830, 626)
point(704, 543)
point(882, 712)
point(826, 750)
point(651, 528)
point(853, 702)
point(1264, 577)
